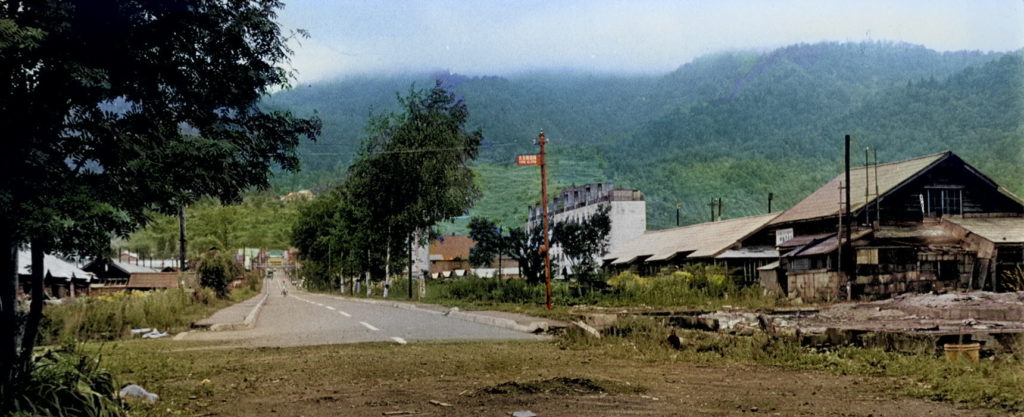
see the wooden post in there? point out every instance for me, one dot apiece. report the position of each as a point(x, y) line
point(544, 201)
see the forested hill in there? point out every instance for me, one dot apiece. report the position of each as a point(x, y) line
point(733, 125)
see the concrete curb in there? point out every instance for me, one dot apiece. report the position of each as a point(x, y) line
point(250, 319)
point(533, 327)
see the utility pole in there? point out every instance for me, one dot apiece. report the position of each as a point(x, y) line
point(678, 206)
point(181, 241)
point(541, 140)
point(412, 239)
point(501, 247)
point(849, 223)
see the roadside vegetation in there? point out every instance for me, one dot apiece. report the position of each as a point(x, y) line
point(112, 316)
point(994, 382)
point(695, 287)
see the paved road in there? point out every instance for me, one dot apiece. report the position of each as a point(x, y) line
point(303, 318)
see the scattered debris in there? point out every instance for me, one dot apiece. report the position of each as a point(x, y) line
point(135, 391)
point(451, 310)
point(398, 413)
point(587, 329)
point(155, 334)
point(142, 330)
point(524, 413)
point(439, 403)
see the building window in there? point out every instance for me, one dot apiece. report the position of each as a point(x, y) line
point(943, 201)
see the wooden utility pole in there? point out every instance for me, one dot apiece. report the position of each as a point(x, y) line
point(181, 237)
point(541, 140)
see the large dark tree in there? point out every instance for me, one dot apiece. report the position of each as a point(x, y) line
point(114, 108)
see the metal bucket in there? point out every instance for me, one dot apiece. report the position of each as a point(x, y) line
point(966, 351)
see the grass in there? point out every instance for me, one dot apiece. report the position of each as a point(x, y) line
point(992, 383)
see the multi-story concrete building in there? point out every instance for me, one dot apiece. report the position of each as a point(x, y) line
point(628, 213)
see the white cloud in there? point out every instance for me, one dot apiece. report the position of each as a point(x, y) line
point(502, 37)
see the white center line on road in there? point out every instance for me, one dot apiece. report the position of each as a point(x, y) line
point(344, 314)
point(330, 308)
point(369, 326)
point(399, 340)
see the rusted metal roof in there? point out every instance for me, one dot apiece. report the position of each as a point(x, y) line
point(451, 247)
point(993, 229)
point(704, 240)
point(154, 280)
point(824, 202)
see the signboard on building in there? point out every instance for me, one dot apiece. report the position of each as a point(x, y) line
point(524, 160)
point(783, 235)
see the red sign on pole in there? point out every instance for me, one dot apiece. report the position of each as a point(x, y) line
point(523, 160)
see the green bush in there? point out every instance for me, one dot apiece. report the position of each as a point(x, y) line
point(63, 382)
point(217, 270)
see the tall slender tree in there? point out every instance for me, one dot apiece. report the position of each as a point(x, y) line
point(413, 172)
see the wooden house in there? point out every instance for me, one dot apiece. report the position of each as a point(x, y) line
point(60, 278)
point(113, 273)
point(928, 223)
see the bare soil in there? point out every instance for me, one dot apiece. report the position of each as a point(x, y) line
point(487, 378)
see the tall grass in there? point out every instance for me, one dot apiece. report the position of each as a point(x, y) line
point(113, 316)
point(694, 287)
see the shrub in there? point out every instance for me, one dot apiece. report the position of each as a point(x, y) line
point(216, 270)
point(63, 382)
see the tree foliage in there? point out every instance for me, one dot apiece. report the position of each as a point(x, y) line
point(583, 241)
point(732, 125)
point(411, 172)
point(118, 109)
point(521, 245)
point(216, 270)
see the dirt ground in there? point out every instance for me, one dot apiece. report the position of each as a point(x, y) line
point(487, 378)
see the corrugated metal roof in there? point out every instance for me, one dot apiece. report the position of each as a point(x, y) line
point(702, 240)
point(52, 265)
point(133, 268)
point(993, 229)
point(824, 202)
point(749, 253)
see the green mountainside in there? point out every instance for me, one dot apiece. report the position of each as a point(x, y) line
point(734, 126)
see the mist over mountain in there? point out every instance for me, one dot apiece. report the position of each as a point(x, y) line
point(733, 125)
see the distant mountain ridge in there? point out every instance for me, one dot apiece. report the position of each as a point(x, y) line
point(734, 126)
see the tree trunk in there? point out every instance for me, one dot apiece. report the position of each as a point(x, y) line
point(367, 283)
point(387, 270)
point(35, 312)
point(8, 302)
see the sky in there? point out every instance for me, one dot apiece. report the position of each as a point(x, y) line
point(492, 37)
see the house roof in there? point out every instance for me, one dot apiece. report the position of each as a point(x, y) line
point(451, 247)
point(702, 240)
point(52, 265)
point(154, 280)
point(993, 229)
point(132, 268)
point(824, 202)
